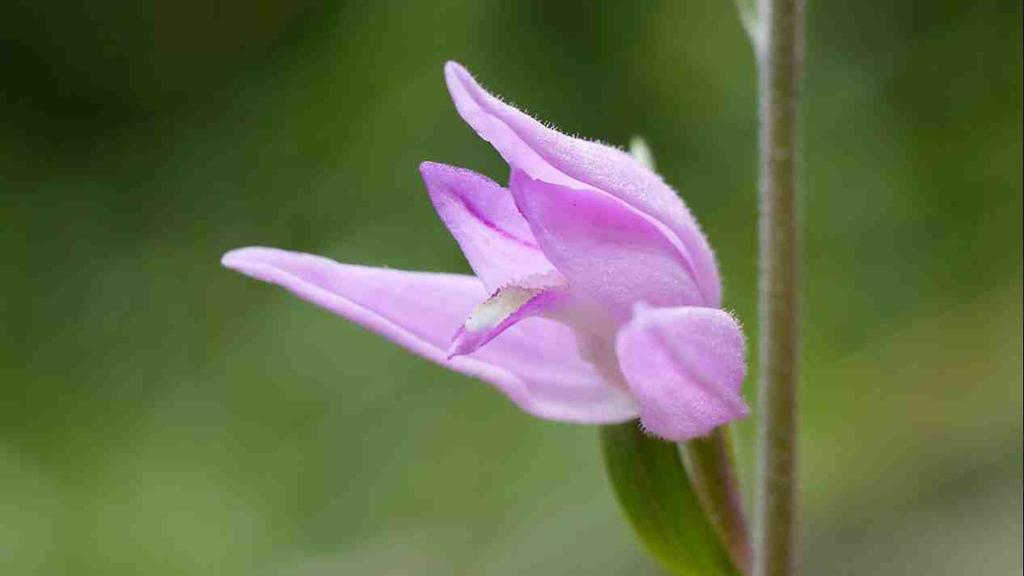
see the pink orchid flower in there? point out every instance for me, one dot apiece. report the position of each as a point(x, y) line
point(596, 297)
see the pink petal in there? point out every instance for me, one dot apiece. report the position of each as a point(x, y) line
point(487, 225)
point(685, 367)
point(474, 105)
point(606, 250)
point(548, 155)
point(535, 363)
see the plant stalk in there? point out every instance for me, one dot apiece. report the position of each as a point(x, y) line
point(780, 60)
point(662, 504)
point(709, 462)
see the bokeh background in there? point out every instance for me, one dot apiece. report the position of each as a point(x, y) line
point(161, 415)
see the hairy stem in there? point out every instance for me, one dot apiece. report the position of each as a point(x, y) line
point(779, 64)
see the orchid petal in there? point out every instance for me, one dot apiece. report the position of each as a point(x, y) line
point(535, 363)
point(685, 367)
point(548, 155)
point(484, 220)
point(475, 106)
point(606, 250)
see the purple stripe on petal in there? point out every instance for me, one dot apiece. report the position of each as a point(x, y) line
point(484, 220)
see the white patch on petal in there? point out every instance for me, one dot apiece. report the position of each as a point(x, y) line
point(497, 308)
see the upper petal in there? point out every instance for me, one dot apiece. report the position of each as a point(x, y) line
point(685, 367)
point(484, 220)
point(548, 155)
point(535, 362)
point(606, 250)
point(476, 107)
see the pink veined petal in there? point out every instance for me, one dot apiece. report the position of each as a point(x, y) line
point(607, 251)
point(484, 220)
point(548, 155)
point(470, 102)
point(535, 363)
point(685, 367)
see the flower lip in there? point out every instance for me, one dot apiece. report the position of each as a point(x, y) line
point(501, 311)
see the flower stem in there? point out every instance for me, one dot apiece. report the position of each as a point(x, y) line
point(661, 503)
point(779, 66)
point(709, 462)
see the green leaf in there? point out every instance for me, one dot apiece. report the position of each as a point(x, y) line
point(653, 488)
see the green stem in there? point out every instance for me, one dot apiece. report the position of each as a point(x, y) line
point(709, 462)
point(780, 62)
point(654, 490)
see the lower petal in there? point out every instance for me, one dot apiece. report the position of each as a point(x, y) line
point(535, 363)
point(685, 367)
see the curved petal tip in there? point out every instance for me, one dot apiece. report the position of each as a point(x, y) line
point(685, 366)
point(250, 261)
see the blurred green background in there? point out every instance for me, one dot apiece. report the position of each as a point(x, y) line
point(161, 415)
